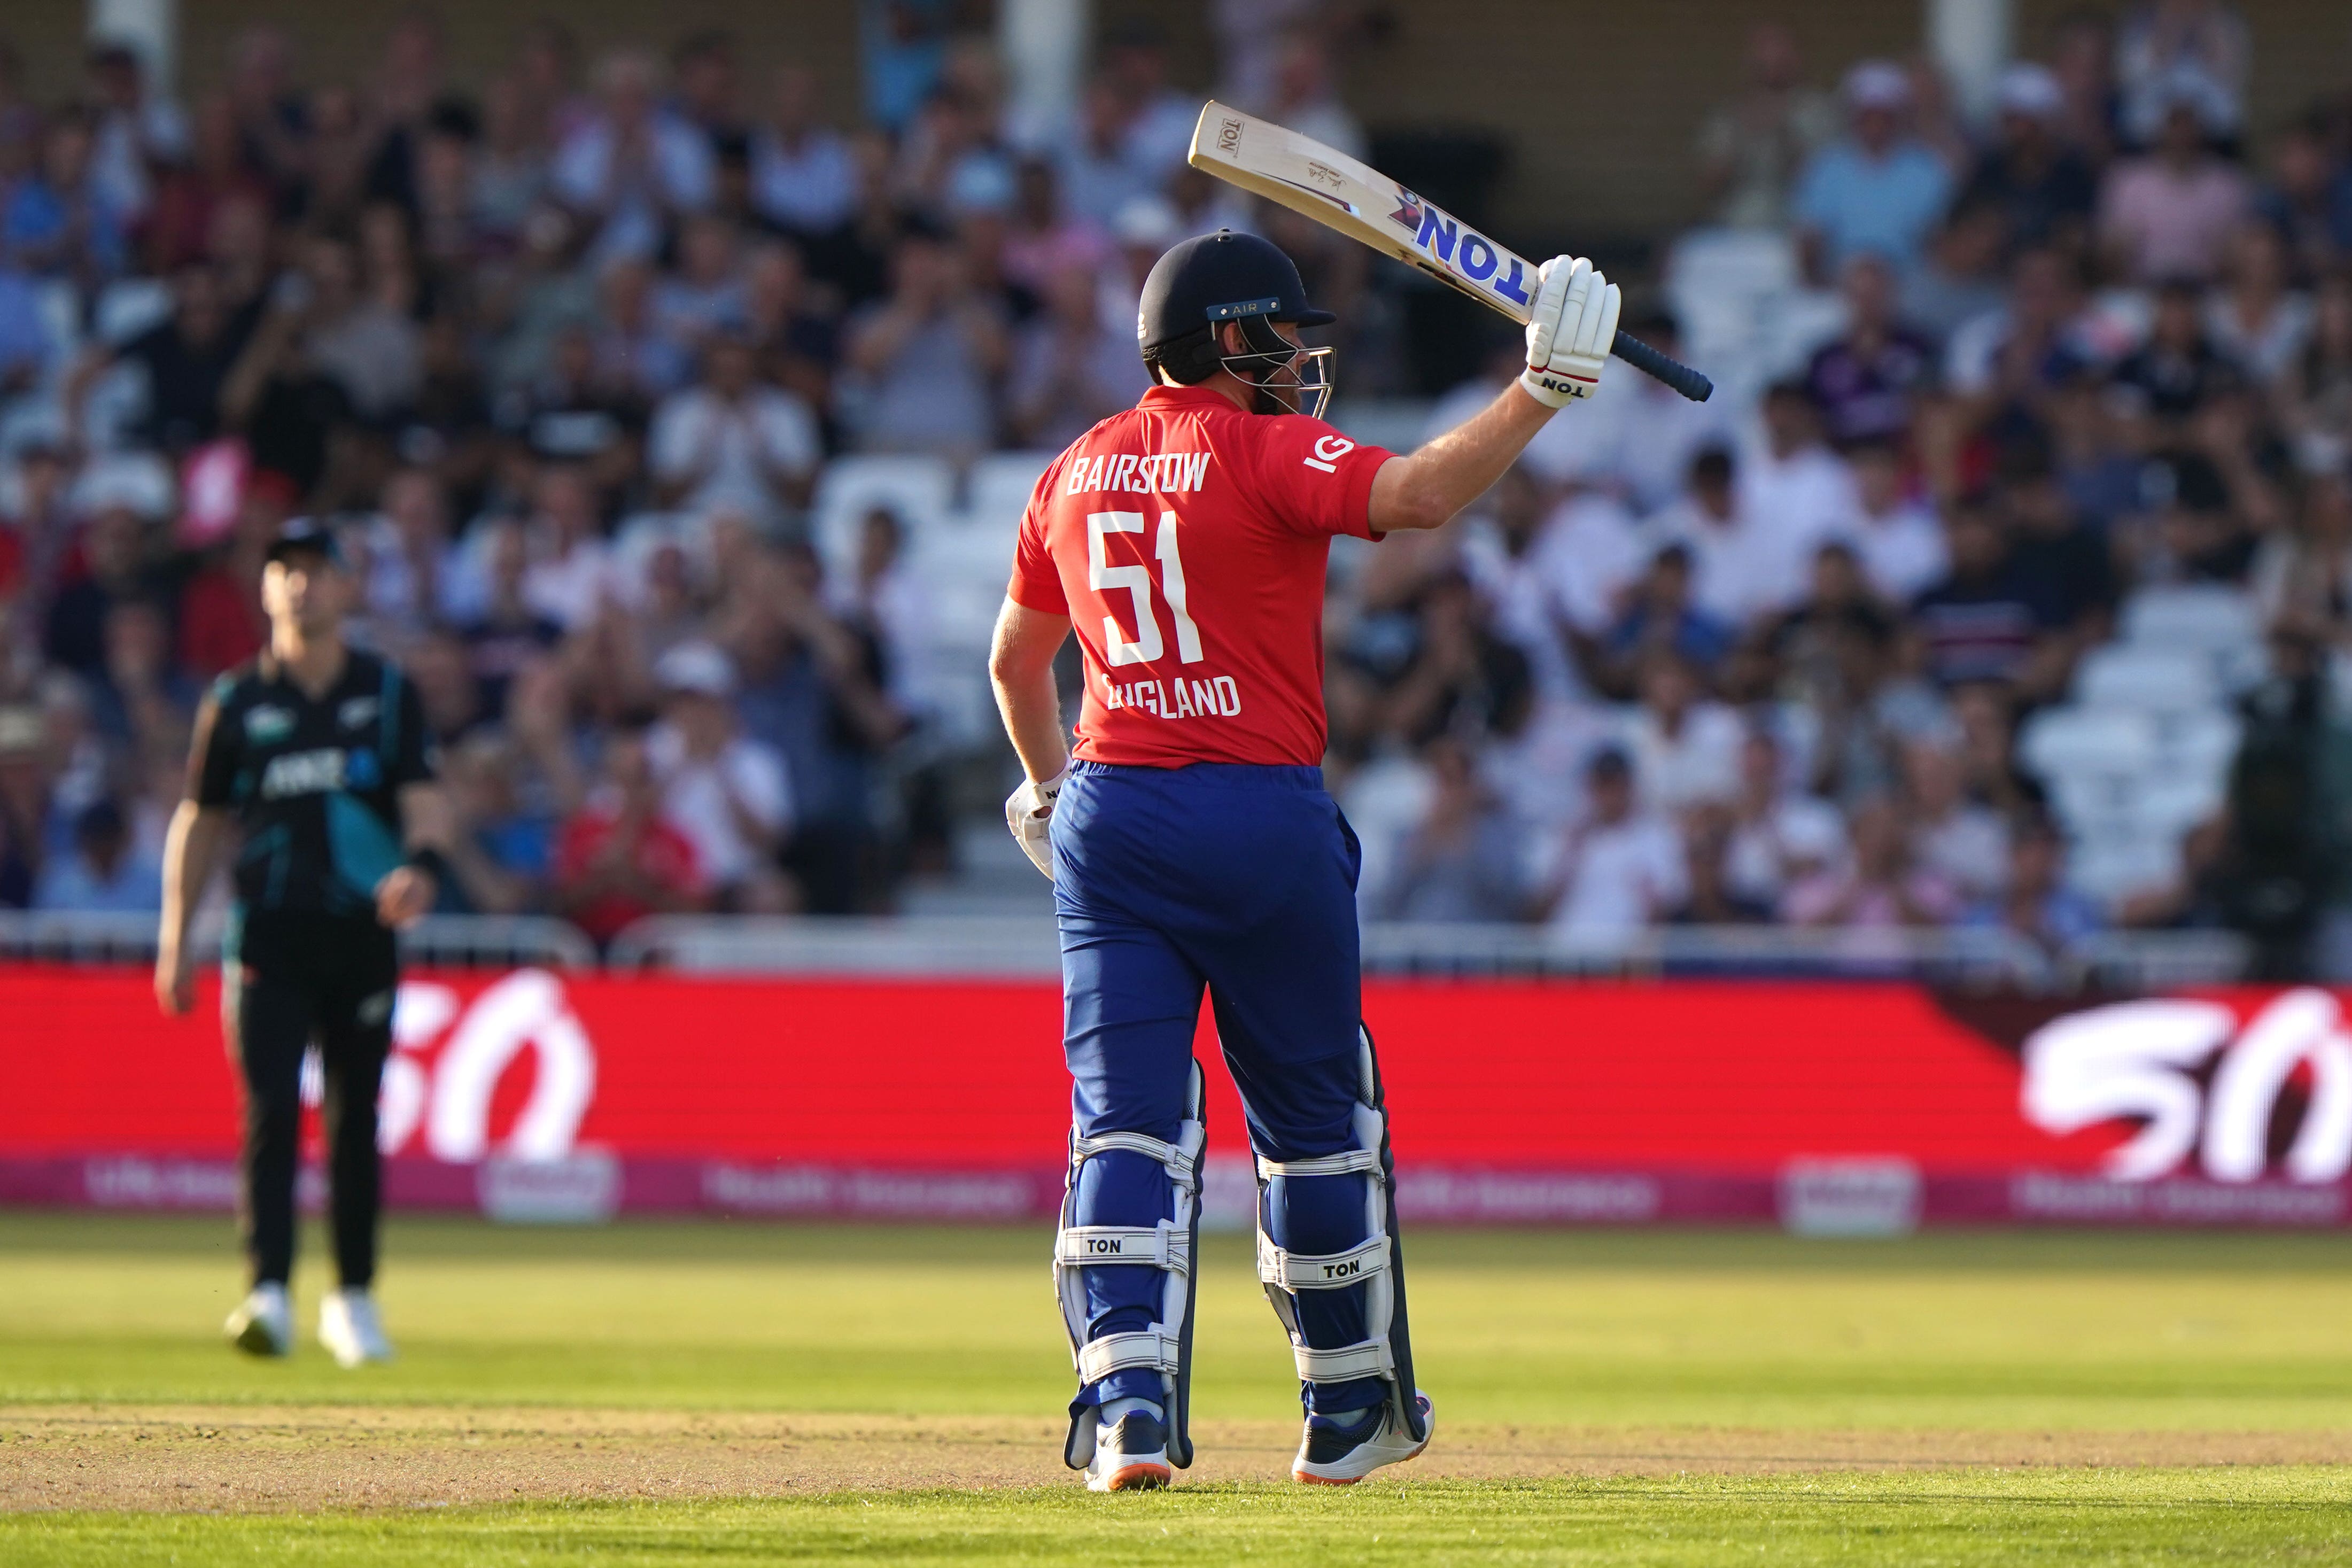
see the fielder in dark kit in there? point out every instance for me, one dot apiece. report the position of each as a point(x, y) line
point(317, 755)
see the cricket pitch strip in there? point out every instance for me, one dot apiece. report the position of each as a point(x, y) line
point(260, 1458)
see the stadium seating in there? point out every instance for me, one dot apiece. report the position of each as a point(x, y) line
point(2140, 755)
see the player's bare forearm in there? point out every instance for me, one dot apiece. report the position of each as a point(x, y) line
point(190, 845)
point(1427, 488)
point(406, 893)
point(1021, 668)
point(426, 820)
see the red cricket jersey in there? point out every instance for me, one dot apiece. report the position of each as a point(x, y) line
point(1187, 541)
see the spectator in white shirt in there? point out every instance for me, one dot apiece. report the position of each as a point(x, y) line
point(1069, 370)
point(727, 794)
point(1640, 434)
point(1796, 493)
point(1731, 576)
point(412, 564)
point(136, 131)
point(1964, 842)
point(804, 175)
point(919, 362)
point(2257, 320)
point(1465, 860)
point(634, 354)
point(1306, 100)
point(570, 575)
point(1684, 747)
point(1099, 169)
point(1160, 121)
point(889, 603)
point(1512, 555)
point(1619, 870)
point(1895, 534)
point(732, 442)
point(632, 165)
point(2167, 51)
point(1778, 836)
point(707, 293)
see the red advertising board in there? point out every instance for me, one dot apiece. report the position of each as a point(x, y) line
point(1827, 1105)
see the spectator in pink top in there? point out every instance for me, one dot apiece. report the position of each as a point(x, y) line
point(1881, 887)
point(2170, 214)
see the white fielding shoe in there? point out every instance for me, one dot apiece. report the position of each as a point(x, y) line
point(1131, 1456)
point(350, 1329)
point(1338, 1457)
point(263, 1324)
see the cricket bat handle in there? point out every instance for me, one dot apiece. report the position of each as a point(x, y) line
point(1651, 363)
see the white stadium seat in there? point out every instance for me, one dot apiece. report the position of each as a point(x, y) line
point(2109, 866)
point(2152, 679)
point(2173, 802)
point(2088, 740)
point(2202, 744)
point(2209, 616)
point(127, 308)
point(1732, 263)
point(998, 490)
point(142, 481)
point(921, 491)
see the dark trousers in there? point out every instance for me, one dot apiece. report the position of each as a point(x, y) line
point(295, 981)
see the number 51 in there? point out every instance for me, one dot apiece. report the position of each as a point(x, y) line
point(1102, 576)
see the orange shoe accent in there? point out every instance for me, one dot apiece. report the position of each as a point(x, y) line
point(1140, 1477)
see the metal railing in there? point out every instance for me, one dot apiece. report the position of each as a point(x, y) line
point(467, 940)
point(1024, 946)
point(1008, 946)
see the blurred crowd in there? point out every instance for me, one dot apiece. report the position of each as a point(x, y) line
point(568, 351)
point(1768, 659)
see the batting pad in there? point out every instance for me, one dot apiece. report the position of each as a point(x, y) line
point(1167, 1247)
point(1337, 1199)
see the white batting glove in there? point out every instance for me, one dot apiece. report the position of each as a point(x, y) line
point(1027, 810)
point(1571, 331)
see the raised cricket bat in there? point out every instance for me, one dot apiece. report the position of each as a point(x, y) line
point(1365, 204)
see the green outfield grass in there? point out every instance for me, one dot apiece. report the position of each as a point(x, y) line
point(1970, 1329)
point(2169, 1517)
point(1993, 1333)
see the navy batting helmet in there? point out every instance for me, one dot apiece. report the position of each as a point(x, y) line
point(1210, 280)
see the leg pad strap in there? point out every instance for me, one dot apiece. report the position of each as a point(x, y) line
point(1183, 1165)
point(1366, 1358)
point(1320, 1270)
point(1163, 1246)
point(1352, 1163)
point(1160, 1348)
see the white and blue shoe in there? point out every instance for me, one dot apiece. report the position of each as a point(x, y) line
point(1131, 1455)
point(1334, 1456)
point(350, 1330)
point(263, 1324)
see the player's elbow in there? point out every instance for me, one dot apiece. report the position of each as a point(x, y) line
point(1024, 644)
point(1414, 501)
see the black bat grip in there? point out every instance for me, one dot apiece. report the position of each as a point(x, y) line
point(1673, 372)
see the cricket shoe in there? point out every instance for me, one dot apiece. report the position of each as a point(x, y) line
point(1131, 1456)
point(350, 1329)
point(1341, 1455)
point(263, 1324)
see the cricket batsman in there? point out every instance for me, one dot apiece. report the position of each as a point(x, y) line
point(317, 755)
point(1191, 844)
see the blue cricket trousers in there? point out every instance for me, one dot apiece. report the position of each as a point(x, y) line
point(1239, 879)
